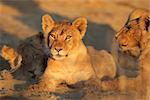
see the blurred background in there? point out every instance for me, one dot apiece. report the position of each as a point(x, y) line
point(20, 19)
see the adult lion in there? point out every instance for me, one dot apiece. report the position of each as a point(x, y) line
point(134, 41)
point(70, 61)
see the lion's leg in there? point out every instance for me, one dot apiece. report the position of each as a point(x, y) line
point(45, 84)
point(144, 72)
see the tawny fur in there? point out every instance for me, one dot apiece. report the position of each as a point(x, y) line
point(28, 60)
point(13, 57)
point(134, 40)
point(7, 82)
point(70, 61)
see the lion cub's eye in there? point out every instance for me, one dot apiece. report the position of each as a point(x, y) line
point(52, 36)
point(128, 27)
point(123, 45)
point(68, 37)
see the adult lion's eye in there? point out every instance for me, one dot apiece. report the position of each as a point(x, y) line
point(68, 37)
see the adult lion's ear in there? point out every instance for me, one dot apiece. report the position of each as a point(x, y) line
point(47, 23)
point(81, 24)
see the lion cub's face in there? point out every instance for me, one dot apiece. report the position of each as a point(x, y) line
point(63, 38)
point(128, 38)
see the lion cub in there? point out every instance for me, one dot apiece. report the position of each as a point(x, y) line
point(134, 41)
point(69, 60)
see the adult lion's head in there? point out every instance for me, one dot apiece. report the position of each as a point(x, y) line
point(63, 39)
point(130, 36)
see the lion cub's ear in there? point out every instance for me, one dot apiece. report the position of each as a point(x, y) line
point(81, 24)
point(142, 16)
point(47, 26)
point(47, 23)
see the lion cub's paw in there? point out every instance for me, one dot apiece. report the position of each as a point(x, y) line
point(6, 75)
point(40, 87)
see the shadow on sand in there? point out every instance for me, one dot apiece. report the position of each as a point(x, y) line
point(98, 35)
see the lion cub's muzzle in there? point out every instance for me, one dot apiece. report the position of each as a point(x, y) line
point(133, 51)
point(58, 52)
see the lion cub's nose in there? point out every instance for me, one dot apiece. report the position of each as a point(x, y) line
point(58, 49)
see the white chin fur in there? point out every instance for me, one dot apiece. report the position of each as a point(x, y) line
point(58, 57)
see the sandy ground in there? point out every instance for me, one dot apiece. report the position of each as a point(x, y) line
point(20, 19)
